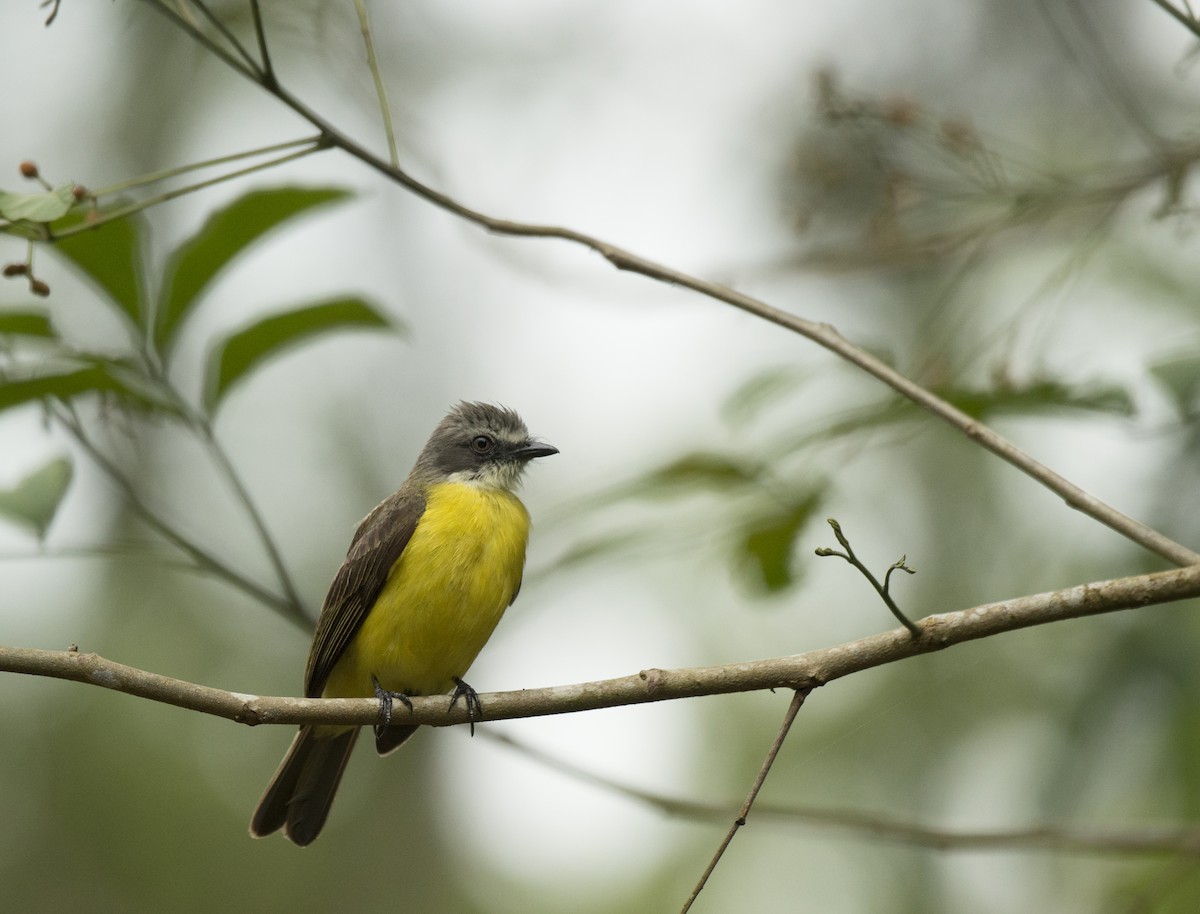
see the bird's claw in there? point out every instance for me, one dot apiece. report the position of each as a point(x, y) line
point(385, 703)
point(471, 697)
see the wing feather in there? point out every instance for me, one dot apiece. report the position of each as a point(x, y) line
point(377, 544)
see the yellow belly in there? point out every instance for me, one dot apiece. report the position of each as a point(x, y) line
point(443, 597)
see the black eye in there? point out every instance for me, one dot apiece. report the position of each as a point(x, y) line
point(481, 444)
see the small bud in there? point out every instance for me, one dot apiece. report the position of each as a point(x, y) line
point(79, 192)
point(29, 169)
point(16, 269)
point(37, 287)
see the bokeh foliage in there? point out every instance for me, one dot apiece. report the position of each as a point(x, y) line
point(996, 229)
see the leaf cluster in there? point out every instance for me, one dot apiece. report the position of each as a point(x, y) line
point(39, 365)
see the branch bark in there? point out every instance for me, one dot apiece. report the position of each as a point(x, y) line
point(800, 671)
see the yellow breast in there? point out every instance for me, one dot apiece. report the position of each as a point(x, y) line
point(443, 596)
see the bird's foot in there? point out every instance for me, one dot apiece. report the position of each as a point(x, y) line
point(471, 697)
point(385, 703)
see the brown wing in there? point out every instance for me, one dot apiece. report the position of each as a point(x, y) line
point(376, 546)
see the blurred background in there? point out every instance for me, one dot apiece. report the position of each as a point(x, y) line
point(991, 196)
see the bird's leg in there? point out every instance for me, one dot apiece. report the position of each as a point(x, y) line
point(385, 703)
point(471, 697)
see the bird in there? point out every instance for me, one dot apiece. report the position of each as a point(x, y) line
point(428, 575)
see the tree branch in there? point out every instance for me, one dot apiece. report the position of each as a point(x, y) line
point(223, 30)
point(1184, 19)
point(822, 334)
point(385, 111)
point(1183, 840)
point(260, 34)
point(166, 173)
point(800, 671)
point(140, 205)
point(740, 819)
point(204, 559)
point(203, 426)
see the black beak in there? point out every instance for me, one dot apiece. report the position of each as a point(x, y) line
point(531, 449)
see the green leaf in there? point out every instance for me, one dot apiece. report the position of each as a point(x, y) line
point(110, 256)
point(136, 389)
point(62, 385)
point(761, 391)
point(766, 550)
point(696, 472)
point(1040, 397)
point(1180, 376)
point(226, 234)
point(892, 411)
point(35, 499)
point(699, 470)
point(25, 323)
point(44, 206)
point(603, 547)
point(244, 352)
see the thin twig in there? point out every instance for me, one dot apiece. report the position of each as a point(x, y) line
point(800, 671)
point(250, 72)
point(1090, 54)
point(1184, 19)
point(793, 709)
point(901, 565)
point(220, 26)
point(260, 526)
point(202, 426)
point(380, 91)
point(53, 4)
point(104, 552)
point(140, 205)
point(881, 589)
point(197, 553)
point(1182, 839)
point(260, 33)
point(155, 177)
point(822, 334)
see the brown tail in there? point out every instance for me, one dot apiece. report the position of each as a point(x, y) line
point(302, 790)
point(389, 739)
